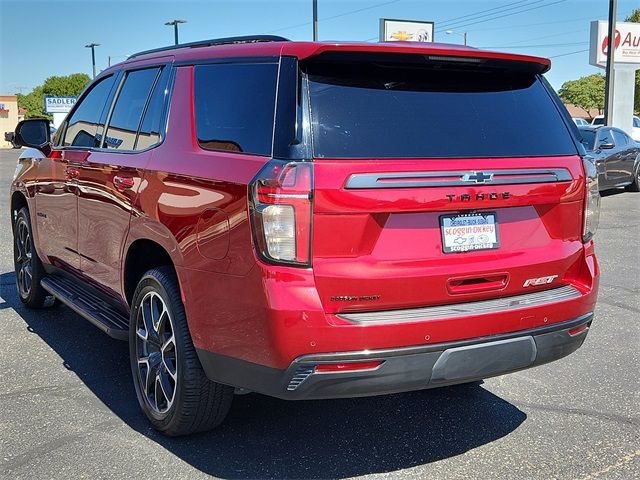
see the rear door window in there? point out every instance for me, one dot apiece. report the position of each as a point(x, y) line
point(234, 106)
point(129, 107)
point(620, 139)
point(605, 136)
point(85, 125)
point(373, 110)
point(150, 134)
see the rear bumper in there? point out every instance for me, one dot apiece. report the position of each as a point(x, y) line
point(403, 369)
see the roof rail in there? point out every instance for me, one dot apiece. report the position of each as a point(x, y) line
point(215, 41)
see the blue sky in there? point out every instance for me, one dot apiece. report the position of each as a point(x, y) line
point(43, 38)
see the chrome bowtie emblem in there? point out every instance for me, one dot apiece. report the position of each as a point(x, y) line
point(477, 177)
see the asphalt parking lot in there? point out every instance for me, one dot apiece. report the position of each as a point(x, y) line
point(68, 408)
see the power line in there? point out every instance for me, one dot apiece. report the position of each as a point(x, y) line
point(510, 14)
point(500, 9)
point(570, 53)
point(344, 14)
point(542, 38)
point(542, 45)
point(573, 20)
point(481, 11)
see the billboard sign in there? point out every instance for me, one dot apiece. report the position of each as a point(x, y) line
point(627, 43)
point(405, 31)
point(59, 104)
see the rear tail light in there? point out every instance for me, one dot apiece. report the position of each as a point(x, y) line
point(281, 209)
point(591, 202)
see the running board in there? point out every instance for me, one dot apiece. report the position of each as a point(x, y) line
point(88, 304)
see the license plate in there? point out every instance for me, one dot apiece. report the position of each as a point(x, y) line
point(468, 232)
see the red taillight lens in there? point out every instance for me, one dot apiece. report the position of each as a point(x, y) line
point(347, 367)
point(281, 209)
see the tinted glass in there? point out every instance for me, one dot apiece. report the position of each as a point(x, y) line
point(605, 136)
point(372, 110)
point(636, 122)
point(588, 138)
point(150, 130)
point(598, 121)
point(620, 138)
point(234, 107)
point(87, 121)
point(127, 113)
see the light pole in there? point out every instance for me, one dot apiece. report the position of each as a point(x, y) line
point(463, 35)
point(93, 46)
point(611, 50)
point(315, 20)
point(175, 23)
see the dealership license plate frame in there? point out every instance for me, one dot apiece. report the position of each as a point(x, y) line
point(465, 247)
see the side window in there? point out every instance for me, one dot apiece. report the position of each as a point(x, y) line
point(620, 138)
point(234, 106)
point(127, 113)
point(149, 134)
point(605, 136)
point(636, 122)
point(87, 121)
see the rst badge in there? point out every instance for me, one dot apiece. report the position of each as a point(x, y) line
point(539, 281)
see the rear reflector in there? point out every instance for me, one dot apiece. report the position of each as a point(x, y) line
point(347, 367)
point(576, 331)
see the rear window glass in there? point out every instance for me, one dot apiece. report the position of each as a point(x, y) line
point(234, 106)
point(370, 110)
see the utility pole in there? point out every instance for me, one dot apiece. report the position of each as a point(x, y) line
point(611, 51)
point(175, 23)
point(315, 20)
point(93, 46)
point(453, 32)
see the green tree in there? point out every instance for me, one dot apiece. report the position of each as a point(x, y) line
point(635, 18)
point(585, 92)
point(66, 86)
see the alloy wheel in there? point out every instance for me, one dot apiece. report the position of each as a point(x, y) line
point(156, 353)
point(23, 261)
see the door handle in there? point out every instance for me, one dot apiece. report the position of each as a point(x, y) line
point(71, 173)
point(123, 183)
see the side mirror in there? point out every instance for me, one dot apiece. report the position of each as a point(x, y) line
point(34, 133)
point(606, 146)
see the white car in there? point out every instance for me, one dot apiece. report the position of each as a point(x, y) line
point(580, 122)
point(635, 129)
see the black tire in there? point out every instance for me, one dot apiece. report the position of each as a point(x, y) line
point(28, 267)
point(635, 184)
point(197, 404)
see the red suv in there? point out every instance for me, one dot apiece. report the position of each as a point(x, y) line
point(312, 220)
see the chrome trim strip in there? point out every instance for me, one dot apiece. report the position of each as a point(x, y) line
point(456, 178)
point(466, 309)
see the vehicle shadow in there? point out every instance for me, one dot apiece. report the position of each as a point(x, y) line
point(612, 192)
point(270, 438)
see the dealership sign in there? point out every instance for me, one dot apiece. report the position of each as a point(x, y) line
point(626, 43)
point(59, 104)
point(405, 31)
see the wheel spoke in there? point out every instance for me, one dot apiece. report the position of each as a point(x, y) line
point(165, 386)
point(143, 368)
point(168, 351)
